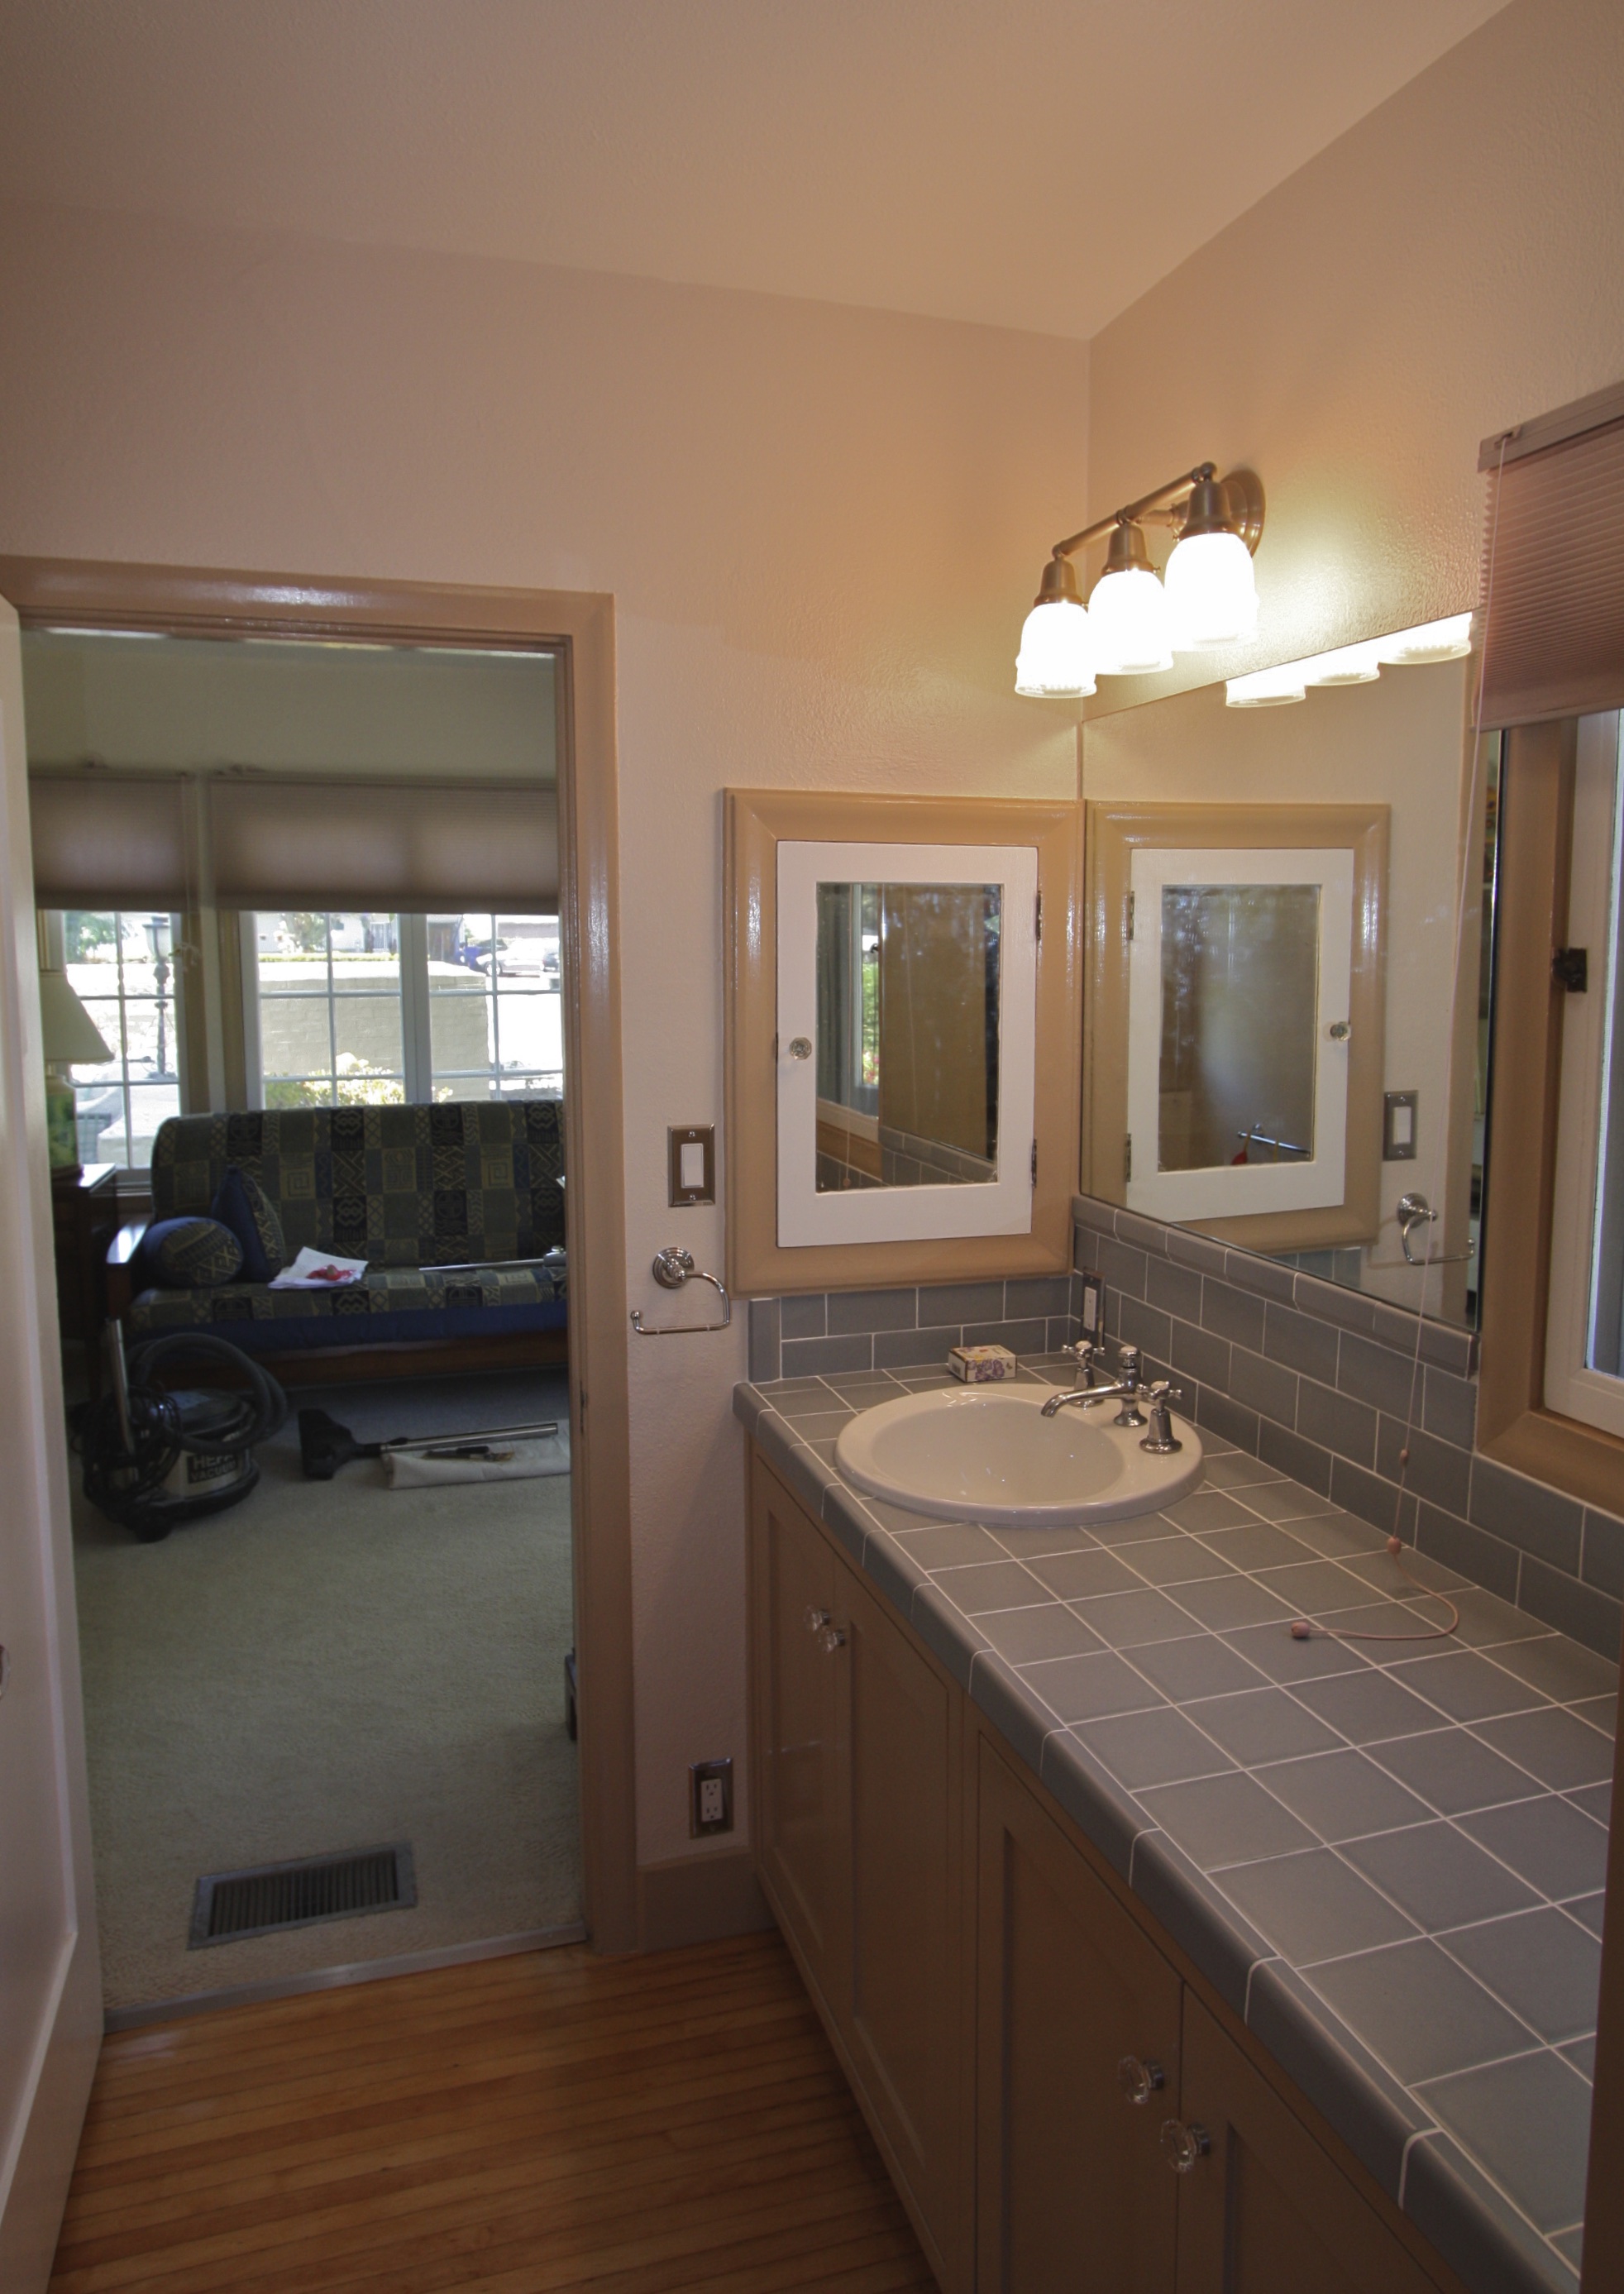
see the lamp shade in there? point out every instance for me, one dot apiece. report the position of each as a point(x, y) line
point(1354, 664)
point(1056, 658)
point(1128, 617)
point(1429, 641)
point(1266, 688)
point(68, 1033)
point(1211, 594)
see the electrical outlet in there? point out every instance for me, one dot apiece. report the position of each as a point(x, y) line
point(709, 1797)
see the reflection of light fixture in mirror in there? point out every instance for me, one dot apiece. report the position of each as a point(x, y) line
point(1429, 641)
point(1354, 664)
point(69, 1036)
point(1267, 688)
point(1449, 639)
point(1056, 662)
point(1135, 625)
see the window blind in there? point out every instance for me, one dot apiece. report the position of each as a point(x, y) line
point(1553, 590)
point(337, 845)
point(101, 842)
point(118, 840)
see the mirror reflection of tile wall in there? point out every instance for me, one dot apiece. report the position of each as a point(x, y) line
point(1400, 741)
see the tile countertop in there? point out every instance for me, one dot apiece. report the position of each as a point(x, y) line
point(1388, 1860)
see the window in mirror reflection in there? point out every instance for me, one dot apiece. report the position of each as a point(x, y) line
point(1585, 1334)
point(908, 1035)
point(1240, 998)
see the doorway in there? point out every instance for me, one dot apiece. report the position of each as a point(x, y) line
point(424, 1677)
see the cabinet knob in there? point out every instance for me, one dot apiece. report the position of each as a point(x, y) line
point(815, 1620)
point(1183, 2146)
point(1138, 2081)
point(831, 1638)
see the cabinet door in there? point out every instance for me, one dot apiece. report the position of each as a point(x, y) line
point(1262, 2206)
point(909, 2024)
point(1075, 2195)
point(799, 1784)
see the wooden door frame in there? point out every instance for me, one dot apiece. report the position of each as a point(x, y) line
point(578, 627)
point(1514, 1423)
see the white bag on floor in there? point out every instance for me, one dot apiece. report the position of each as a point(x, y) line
point(510, 1461)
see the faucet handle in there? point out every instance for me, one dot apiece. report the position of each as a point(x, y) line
point(1129, 1359)
point(1161, 1441)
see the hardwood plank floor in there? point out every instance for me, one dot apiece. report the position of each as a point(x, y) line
point(522, 2125)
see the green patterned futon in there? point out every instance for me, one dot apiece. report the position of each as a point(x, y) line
point(431, 1196)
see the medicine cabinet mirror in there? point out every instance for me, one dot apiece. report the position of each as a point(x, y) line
point(1282, 1023)
point(901, 981)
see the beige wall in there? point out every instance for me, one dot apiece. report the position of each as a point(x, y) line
point(196, 703)
point(821, 527)
point(1449, 267)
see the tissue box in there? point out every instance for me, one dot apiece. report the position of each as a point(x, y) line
point(981, 1365)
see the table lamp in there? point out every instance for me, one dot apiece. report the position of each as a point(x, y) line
point(69, 1036)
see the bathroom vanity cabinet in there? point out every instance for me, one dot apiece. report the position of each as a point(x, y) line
point(1062, 2101)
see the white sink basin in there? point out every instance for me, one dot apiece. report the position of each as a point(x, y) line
point(988, 1453)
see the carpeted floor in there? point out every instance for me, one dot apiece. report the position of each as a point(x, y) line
point(335, 1665)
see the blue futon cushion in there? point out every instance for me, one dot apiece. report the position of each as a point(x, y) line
point(189, 1254)
point(242, 1205)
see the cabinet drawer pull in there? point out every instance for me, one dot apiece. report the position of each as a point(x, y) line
point(831, 1638)
point(1183, 2146)
point(815, 1620)
point(1138, 2081)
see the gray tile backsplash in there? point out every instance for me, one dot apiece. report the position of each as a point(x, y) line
point(1369, 1406)
point(909, 1329)
point(1316, 1381)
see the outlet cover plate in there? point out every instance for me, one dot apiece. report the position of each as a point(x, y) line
point(710, 1798)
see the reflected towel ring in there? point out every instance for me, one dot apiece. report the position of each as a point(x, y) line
point(673, 1266)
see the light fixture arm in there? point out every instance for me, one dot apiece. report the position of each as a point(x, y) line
point(1240, 507)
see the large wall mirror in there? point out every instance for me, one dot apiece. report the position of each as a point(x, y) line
point(1284, 1025)
point(902, 1037)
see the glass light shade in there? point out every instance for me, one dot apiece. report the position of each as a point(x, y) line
point(1429, 641)
point(1056, 661)
point(1266, 688)
point(1354, 664)
point(1212, 593)
point(1127, 616)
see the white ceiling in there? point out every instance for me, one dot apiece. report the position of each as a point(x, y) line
point(1024, 163)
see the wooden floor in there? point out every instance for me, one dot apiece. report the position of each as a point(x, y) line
point(556, 2120)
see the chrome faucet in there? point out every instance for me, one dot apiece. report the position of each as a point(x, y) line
point(1161, 1441)
point(1125, 1387)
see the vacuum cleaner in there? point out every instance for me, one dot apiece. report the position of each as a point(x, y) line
point(156, 1456)
point(498, 1453)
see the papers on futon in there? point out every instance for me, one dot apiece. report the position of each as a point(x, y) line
point(319, 1270)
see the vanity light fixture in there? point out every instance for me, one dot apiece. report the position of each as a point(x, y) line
point(1448, 639)
point(1132, 624)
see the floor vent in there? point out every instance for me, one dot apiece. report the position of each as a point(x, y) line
point(230, 1905)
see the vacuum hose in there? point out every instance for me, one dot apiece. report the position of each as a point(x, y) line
point(134, 1439)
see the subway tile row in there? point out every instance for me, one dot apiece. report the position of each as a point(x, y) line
point(828, 1332)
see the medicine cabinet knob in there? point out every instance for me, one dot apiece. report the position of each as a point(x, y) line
point(1183, 2147)
point(831, 1638)
point(815, 1620)
point(1339, 1031)
point(1138, 2081)
point(800, 1047)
